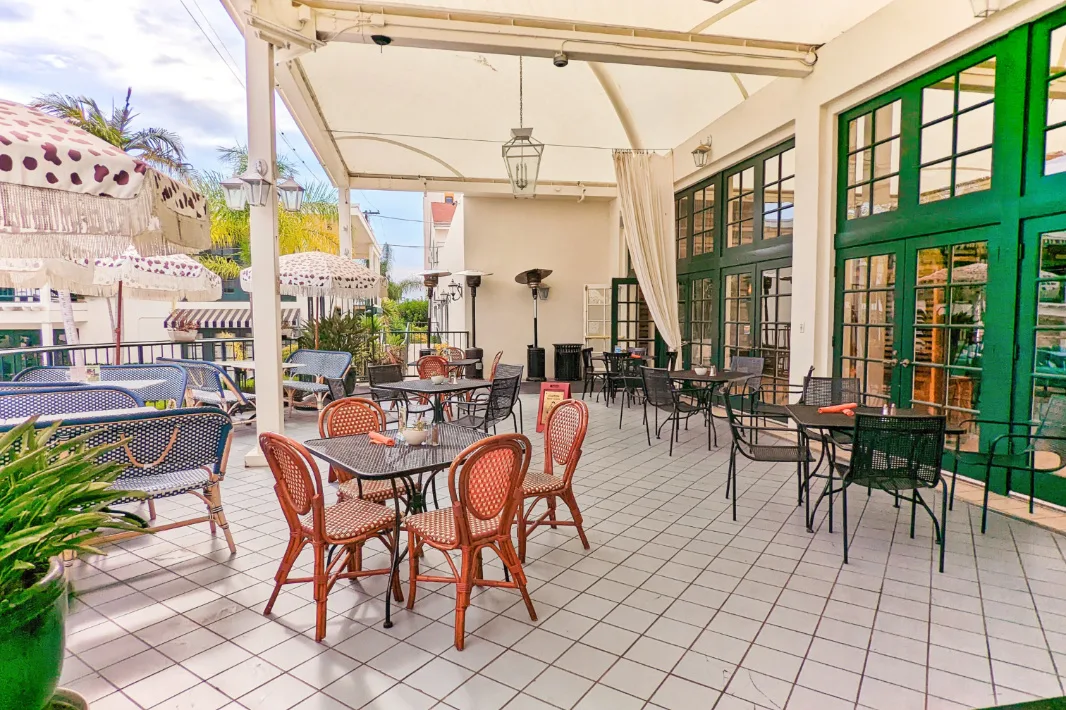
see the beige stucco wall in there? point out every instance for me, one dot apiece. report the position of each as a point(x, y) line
point(505, 236)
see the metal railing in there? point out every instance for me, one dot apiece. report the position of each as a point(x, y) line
point(367, 351)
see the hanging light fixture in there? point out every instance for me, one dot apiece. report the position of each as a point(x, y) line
point(985, 8)
point(702, 153)
point(291, 194)
point(522, 153)
point(236, 198)
point(256, 184)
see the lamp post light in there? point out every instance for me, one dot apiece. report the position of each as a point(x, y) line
point(252, 189)
point(701, 154)
point(236, 197)
point(256, 184)
point(473, 281)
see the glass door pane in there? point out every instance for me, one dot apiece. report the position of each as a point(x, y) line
point(868, 328)
point(633, 325)
point(702, 323)
point(737, 321)
point(1049, 331)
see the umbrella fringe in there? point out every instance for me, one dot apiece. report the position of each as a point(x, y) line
point(37, 222)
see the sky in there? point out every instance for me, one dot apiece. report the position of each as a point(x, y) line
point(184, 60)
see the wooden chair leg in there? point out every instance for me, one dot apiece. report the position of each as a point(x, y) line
point(510, 561)
point(412, 554)
point(292, 552)
point(151, 510)
point(214, 496)
point(522, 532)
point(462, 596)
point(575, 513)
point(355, 557)
point(552, 512)
point(321, 588)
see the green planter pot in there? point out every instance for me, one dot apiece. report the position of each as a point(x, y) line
point(31, 653)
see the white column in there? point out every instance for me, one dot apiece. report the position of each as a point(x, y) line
point(266, 303)
point(812, 253)
point(47, 328)
point(344, 212)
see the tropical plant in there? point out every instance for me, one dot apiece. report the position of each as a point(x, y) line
point(223, 266)
point(341, 331)
point(52, 501)
point(415, 312)
point(159, 147)
point(396, 289)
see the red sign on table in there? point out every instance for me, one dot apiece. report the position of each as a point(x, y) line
point(551, 393)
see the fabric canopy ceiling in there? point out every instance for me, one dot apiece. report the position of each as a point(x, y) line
point(411, 111)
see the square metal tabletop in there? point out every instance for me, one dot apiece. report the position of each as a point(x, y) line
point(427, 386)
point(364, 459)
point(807, 416)
point(717, 378)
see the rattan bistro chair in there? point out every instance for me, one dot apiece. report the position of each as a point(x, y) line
point(348, 417)
point(784, 449)
point(349, 524)
point(563, 436)
point(484, 482)
point(1046, 435)
point(897, 454)
point(659, 392)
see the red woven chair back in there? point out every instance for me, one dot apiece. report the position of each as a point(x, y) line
point(450, 354)
point(563, 436)
point(495, 362)
point(484, 482)
point(296, 479)
point(349, 416)
point(432, 365)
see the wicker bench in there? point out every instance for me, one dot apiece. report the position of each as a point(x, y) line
point(171, 390)
point(210, 385)
point(64, 400)
point(322, 374)
point(165, 453)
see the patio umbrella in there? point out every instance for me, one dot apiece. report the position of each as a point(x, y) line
point(60, 274)
point(66, 194)
point(316, 274)
point(152, 277)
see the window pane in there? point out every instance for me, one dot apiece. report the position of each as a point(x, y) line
point(1055, 150)
point(855, 273)
point(936, 141)
point(886, 121)
point(788, 163)
point(975, 128)
point(883, 271)
point(770, 170)
point(859, 132)
point(977, 84)
point(1057, 56)
point(859, 167)
point(933, 265)
point(858, 205)
point(885, 194)
point(973, 172)
point(938, 100)
point(886, 158)
point(935, 182)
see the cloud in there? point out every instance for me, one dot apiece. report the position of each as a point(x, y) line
point(14, 13)
point(166, 61)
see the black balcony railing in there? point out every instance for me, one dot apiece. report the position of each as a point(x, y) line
point(369, 349)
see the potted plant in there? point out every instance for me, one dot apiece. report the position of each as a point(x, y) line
point(53, 498)
point(183, 329)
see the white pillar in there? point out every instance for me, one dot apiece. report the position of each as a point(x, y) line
point(344, 212)
point(47, 328)
point(812, 253)
point(263, 221)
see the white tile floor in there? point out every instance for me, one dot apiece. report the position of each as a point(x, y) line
point(675, 606)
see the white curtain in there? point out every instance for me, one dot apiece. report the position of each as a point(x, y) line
point(646, 193)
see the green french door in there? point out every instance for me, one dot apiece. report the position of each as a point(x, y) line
point(757, 315)
point(914, 323)
point(698, 309)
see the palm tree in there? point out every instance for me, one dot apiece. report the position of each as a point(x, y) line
point(159, 147)
point(313, 228)
point(397, 289)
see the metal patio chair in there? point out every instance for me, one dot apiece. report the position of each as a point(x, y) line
point(503, 370)
point(319, 367)
point(488, 410)
point(660, 393)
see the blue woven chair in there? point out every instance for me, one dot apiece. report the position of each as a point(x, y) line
point(13, 386)
point(65, 400)
point(165, 454)
point(209, 385)
point(319, 368)
point(171, 391)
point(41, 373)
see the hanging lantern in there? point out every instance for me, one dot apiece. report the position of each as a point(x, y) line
point(701, 155)
point(292, 195)
point(236, 198)
point(985, 8)
point(256, 184)
point(522, 155)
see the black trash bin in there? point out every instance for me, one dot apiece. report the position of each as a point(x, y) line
point(535, 363)
point(477, 370)
point(567, 362)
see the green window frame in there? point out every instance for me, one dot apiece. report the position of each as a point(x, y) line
point(873, 161)
point(682, 206)
point(702, 325)
point(703, 220)
point(779, 191)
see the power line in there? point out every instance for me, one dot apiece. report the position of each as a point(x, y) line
point(208, 22)
point(208, 38)
point(396, 219)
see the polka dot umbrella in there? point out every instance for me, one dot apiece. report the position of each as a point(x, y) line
point(317, 274)
point(65, 194)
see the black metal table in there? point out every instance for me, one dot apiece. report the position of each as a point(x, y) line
point(808, 418)
point(454, 363)
point(428, 389)
point(398, 464)
point(705, 395)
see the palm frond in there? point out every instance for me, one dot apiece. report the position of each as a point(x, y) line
point(223, 266)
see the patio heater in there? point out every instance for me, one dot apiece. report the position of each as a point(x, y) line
point(534, 353)
point(430, 279)
point(473, 280)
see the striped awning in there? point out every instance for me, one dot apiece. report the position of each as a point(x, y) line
point(224, 318)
